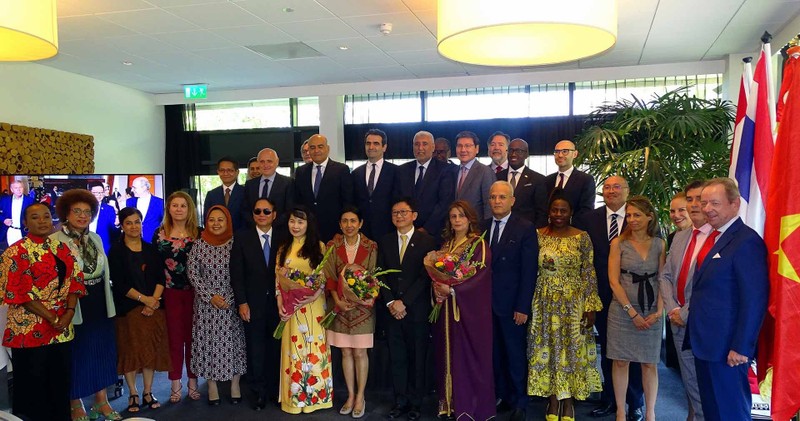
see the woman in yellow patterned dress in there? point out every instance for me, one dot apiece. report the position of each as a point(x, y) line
point(561, 349)
point(306, 374)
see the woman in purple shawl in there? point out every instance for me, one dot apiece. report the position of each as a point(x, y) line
point(462, 334)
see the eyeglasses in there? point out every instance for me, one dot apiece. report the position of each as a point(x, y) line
point(259, 211)
point(403, 212)
point(563, 151)
point(79, 212)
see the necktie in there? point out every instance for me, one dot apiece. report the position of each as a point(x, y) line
point(371, 183)
point(418, 183)
point(317, 180)
point(614, 232)
point(560, 181)
point(706, 248)
point(227, 196)
point(684, 273)
point(404, 243)
point(265, 189)
point(498, 169)
point(495, 233)
point(513, 180)
point(462, 178)
point(266, 248)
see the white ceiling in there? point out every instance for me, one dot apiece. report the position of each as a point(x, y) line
point(176, 42)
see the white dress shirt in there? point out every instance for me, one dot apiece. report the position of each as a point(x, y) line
point(314, 170)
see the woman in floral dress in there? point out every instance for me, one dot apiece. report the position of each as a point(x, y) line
point(174, 239)
point(218, 351)
point(561, 349)
point(306, 376)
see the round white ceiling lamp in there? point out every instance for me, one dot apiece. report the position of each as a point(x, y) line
point(28, 30)
point(525, 32)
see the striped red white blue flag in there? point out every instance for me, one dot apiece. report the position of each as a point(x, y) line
point(753, 146)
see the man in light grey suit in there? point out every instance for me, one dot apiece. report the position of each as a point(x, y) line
point(676, 289)
point(474, 179)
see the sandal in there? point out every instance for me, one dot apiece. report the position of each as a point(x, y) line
point(96, 412)
point(78, 407)
point(175, 395)
point(152, 402)
point(133, 403)
point(193, 393)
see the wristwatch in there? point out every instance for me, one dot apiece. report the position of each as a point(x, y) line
point(626, 307)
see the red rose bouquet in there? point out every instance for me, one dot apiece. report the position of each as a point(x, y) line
point(451, 269)
point(296, 286)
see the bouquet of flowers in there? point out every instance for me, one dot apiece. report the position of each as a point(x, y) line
point(451, 269)
point(296, 286)
point(357, 285)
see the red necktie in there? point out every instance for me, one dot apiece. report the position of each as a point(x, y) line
point(498, 169)
point(687, 262)
point(706, 248)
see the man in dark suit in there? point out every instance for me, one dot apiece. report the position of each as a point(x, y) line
point(577, 186)
point(498, 151)
point(408, 300)
point(253, 279)
point(730, 290)
point(151, 207)
point(375, 186)
point(324, 186)
point(474, 179)
point(603, 224)
point(514, 244)
point(230, 194)
point(530, 195)
point(12, 209)
point(430, 182)
point(103, 223)
point(278, 188)
point(441, 150)
point(253, 168)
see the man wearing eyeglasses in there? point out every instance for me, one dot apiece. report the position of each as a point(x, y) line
point(230, 194)
point(576, 186)
point(252, 269)
point(530, 197)
point(103, 224)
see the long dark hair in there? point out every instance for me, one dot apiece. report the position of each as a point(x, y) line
point(310, 249)
point(472, 216)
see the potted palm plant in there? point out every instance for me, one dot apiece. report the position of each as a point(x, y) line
point(658, 145)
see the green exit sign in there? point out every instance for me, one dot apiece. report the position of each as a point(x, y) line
point(195, 91)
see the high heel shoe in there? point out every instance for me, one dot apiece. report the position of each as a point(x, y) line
point(551, 417)
point(78, 407)
point(96, 412)
point(346, 410)
point(568, 418)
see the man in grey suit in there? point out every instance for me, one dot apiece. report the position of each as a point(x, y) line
point(675, 283)
point(474, 179)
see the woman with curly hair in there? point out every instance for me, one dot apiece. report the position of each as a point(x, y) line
point(174, 240)
point(94, 350)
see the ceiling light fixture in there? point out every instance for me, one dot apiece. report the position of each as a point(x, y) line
point(525, 33)
point(28, 30)
point(127, 63)
point(287, 10)
point(344, 47)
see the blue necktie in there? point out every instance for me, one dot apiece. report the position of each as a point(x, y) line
point(496, 233)
point(265, 189)
point(266, 248)
point(317, 180)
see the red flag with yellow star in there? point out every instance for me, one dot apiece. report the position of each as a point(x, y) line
point(782, 237)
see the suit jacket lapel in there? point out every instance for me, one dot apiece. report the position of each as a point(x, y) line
point(723, 241)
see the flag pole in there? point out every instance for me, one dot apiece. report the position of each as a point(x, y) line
point(747, 63)
point(765, 39)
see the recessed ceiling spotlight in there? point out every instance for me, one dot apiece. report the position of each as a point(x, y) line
point(127, 63)
point(344, 47)
point(287, 10)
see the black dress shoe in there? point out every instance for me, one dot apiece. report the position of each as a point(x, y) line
point(414, 414)
point(261, 402)
point(518, 415)
point(213, 402)
point(236, 401)
point(636, 415)
point(398, 411)
point(604, 410)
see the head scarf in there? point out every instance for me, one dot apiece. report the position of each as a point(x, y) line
point(218, 239)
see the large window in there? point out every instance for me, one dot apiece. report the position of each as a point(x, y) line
point(399, 107)
point(590, 95)
point(243, 115)
point(498, 102)
point(307, 111)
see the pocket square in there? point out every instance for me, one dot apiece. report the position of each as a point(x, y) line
point(716, 256)
point(528, 185)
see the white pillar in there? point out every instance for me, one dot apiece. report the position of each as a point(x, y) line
point(331, 124)
point(734, 68)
